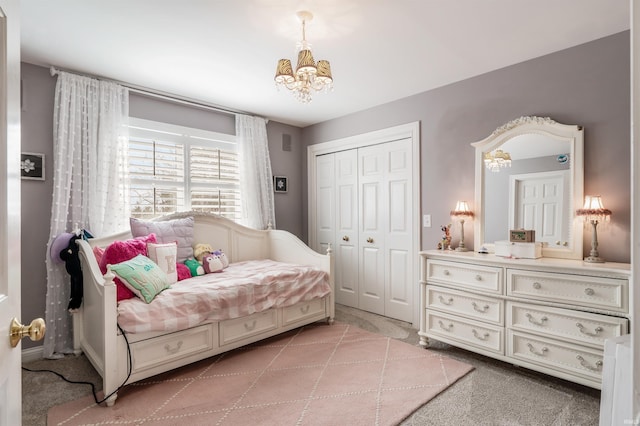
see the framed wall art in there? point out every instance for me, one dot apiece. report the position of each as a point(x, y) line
point(279, 184)
point(32, 166)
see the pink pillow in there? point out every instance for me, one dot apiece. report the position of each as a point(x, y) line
point(121, 251)
point(183, 271)
point(98, 252)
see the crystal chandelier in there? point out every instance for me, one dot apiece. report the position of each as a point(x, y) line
point(496, 160)
point(309, 76)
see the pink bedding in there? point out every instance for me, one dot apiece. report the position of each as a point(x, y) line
point(241, 289)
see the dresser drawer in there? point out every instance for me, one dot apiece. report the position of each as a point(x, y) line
point(466, 331)
point(302, 311)
point(162, 350)
point(466, 304)
point(596, 292)
point(568, 325)
point(241, 328)
point(556, 355)
point(465, 276)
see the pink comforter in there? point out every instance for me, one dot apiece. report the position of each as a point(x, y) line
point(241, 289)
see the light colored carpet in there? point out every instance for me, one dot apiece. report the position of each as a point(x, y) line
point(316, 375)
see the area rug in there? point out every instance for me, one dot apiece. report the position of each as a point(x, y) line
point(316, 375)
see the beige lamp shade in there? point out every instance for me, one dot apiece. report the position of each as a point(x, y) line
point(306, 64)
point(284, 72)
point(324, 71)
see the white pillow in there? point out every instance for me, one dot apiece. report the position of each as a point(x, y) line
point(164, 255)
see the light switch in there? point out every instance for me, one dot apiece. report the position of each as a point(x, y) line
point(426, 221)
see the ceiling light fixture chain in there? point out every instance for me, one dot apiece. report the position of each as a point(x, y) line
point(309, 77)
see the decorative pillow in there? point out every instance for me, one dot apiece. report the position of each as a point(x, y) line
point(164, 255)
point(195, 268)
point(98, 252)
point(183, 271)
point(119, 251)
point(223, 257)
point(142, 276)
point(212, 263)
point(179, 230)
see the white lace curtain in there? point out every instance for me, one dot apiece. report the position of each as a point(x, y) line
point(256, 184)
point(90, 138)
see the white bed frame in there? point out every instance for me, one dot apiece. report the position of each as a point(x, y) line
point(95, 324)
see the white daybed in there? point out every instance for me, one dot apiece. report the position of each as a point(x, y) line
point(95, 326)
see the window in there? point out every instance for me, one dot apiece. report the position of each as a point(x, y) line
point(174, 168)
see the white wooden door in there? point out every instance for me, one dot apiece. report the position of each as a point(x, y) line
point(372, 201)
point(10, 358)
point(399, 229)
point(325, 203)
point(539, 200)
point(346, 236)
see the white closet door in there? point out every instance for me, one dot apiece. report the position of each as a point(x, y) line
point(373, 199)
point(399, 231)
point(325, 204)
point(346, 236)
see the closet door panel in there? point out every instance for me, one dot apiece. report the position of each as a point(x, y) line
point(346, 232)
point(372, 196)
point(325, 202)
point(398, 231)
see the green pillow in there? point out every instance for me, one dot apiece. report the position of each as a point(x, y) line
point(143, 277)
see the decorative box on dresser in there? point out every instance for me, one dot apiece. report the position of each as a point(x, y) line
point(549, 315)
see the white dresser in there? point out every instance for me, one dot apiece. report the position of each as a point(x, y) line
point(549, 315)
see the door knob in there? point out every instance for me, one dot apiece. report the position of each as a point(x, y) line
point(17, 331)
point(345, 238)
point(369, 240)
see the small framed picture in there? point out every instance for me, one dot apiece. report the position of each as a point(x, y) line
point(279, 184)
point(32, 166)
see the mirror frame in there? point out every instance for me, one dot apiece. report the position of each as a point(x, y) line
point(541, 126)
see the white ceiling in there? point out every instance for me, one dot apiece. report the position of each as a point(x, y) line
point(224, 52)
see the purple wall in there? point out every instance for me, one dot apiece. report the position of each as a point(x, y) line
point(586, 85)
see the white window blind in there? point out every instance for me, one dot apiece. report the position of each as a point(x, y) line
point(174, 168)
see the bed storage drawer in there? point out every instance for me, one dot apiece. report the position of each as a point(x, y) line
point(466, 304)
point(162, 350)
point(241, 328)
point(303, 310)
point(595, 292)
point(565, 324)
point(465, 276)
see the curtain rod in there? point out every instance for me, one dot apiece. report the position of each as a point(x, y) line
point(158, 94)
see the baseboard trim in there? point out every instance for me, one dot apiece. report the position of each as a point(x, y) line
point(32, 354)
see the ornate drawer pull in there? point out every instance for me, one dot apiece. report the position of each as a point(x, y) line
point(542, 352)
point(304, 309)
point(589, 291)
point(449, 301)
point(477, 335)
point(444, 327)
point(478, 277)
point(345, 238)
point(250, 327)
point(370, 240)
point(446, 272)
point(537, 285)
point(583, 330)
point(584, 363)
point(171, 350)
point(482, 310)
point(532, 320)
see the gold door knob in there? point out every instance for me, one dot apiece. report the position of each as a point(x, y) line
point(35, 331)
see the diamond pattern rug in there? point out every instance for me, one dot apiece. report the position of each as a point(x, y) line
point(316, 375)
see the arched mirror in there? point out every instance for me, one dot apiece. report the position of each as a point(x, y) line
point(529, 175)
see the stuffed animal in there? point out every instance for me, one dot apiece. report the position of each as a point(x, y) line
point(195, 268)
point(212, 263)
point(223, 257)
point(200, 250)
